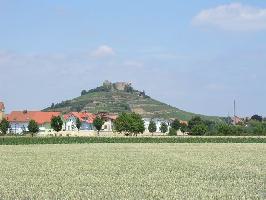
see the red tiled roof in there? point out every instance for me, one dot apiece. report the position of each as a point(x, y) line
point(83, 116)
point(183, 122)
point(25, 116)
point(107, 116)
point(2, 106)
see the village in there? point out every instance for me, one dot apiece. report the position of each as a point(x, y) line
point(19, 121)
point(83, 124)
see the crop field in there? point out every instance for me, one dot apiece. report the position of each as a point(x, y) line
point(133, 171)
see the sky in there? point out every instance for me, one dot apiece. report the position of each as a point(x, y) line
point(195, 55)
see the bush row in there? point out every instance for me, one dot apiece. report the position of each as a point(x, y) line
point(80, 140)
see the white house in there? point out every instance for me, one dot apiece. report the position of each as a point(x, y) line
point(85, 118)
point(108, 121)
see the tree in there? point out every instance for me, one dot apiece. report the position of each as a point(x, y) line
point(183, 127)
point(199, 129)
point(152, 127)
point(33, 127)
point(164, 127)
point(56, 123)
point(4, 126)
point(98, 123)
point(83, 92)
point(257, 118)
point(121, 123)
point(172, 132)
point(224, 129)
point(175, 124)
point(257, 128)
point(194, 121)
point(78, 123)
point(136, 124)
point(129, 123)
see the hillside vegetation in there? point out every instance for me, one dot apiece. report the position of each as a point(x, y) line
point(122, 97)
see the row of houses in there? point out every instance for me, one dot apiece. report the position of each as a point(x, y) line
point(19, 120)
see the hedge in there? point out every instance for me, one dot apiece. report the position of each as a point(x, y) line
point(80, 140)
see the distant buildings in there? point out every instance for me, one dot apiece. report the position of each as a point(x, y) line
point(85, 118)
point(108, 121)
point(19, 120)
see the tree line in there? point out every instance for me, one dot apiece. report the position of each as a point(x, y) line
point(133, 124)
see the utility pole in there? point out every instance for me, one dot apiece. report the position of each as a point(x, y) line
point(234, 108)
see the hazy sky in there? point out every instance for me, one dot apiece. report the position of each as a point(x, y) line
point(196, 55)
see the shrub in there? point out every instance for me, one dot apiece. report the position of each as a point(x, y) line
point(183, 128)
point(176, 124)
point(172, 132)
point(33, 127)
point(79, 140)
point(98, 123)
point(152, 127)
point(199, 129)
point(194, 121)
point(56, 123)
point(129, 123)
point(164, 127)
point(4, 126)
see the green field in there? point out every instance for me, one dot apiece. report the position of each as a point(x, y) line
point(133, 171)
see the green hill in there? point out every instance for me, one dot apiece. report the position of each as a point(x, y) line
point(122, 97)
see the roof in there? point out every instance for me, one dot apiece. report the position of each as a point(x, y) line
point(107, 116)
point(2, 106)
point(183, 122)
point(26, 116)
point(237, 119)
point(83, 116)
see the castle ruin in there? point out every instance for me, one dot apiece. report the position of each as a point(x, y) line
point(120, 86)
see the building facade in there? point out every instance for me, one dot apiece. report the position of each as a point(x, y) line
point(19, 120)
point(86, 119)
point(108, 118)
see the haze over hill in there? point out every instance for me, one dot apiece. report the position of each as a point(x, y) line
point(121, 97)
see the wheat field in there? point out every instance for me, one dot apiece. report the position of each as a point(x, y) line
point(133, 171)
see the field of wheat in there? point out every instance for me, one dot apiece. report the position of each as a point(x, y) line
point(133, 171)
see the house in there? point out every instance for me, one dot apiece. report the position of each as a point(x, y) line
point(183, 122)
point(108, 120)
point(237, 120)
point(158, 122)
point(19, 120)
point(2, 111)
point(85, 118)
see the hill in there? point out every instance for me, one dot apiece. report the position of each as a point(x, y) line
point(122, 97)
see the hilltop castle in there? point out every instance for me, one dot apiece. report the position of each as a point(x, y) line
point(121, 86)
point(2, 110)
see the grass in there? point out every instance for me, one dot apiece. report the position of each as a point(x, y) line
point(140, 139)
point(133, 171)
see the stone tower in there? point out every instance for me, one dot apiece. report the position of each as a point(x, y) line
point(2, 110)
point(121, 86)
